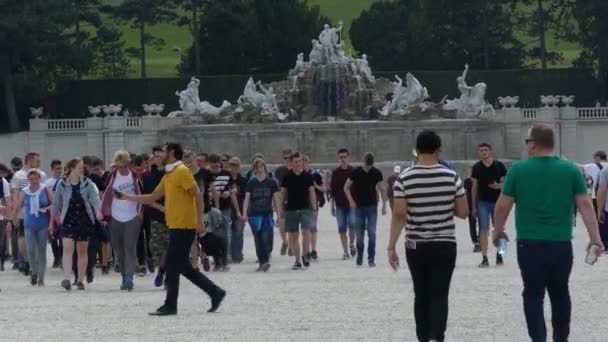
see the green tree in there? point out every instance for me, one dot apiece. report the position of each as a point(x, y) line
point(591, 17)
point(36, 50)
point(86, 16)
point(437, 34)
point(140, 14)
point(536, 18)
point(193, 10)
point(110, 58)
point(253, 36)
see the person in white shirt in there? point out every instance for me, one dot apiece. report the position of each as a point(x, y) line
point(56, 174)
point(5, 209)
point(123, 215)
point(593, 170)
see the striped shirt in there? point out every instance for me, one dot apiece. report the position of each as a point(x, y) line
point(430, 192)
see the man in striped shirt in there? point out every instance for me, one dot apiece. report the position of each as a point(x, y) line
point(427, 197)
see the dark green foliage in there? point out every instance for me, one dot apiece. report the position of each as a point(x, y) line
point(437, 35)
point(254, 36)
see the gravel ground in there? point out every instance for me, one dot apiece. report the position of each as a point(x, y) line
point(332, 301)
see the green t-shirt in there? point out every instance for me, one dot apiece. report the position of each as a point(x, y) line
point(544, 189)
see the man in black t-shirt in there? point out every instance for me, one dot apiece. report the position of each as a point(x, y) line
point(361, 189)
point(320, 195)
point(225, 188)
point(298, 194)
point(487, 178)
point(279, 175)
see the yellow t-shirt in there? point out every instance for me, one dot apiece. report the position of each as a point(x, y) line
point(180, 205)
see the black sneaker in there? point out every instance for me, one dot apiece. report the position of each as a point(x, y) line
point(66, 285)
point(2, 267)
point(306, 261)
point(164, 311)
point(150, 264)
point(105, 270)
point(26, 269)
point(259, 269)
point(283, 248)
point(314, 256)
point(33, 279)
point(297, 266)
point(266, 267)
point(499, 261)
point(484, 263)
point(117, 268)
point(372, 264)
point(56, 263)
point(141, 271)
point(476, 248)
point(353, 251)
point(90, 276)
point(216, 300)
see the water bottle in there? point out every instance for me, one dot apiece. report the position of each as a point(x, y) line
point(502, 246)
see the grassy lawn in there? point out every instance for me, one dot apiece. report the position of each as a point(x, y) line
point(163, 62)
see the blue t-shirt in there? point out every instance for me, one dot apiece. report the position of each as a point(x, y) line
point(36, 222)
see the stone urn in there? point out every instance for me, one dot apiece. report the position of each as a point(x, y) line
point(512, 101)
point(37, 112)
point(549, 100)
point(502, 101)
point(117, 109)
point(148, 109)
point(94, 110)
point(567, 100)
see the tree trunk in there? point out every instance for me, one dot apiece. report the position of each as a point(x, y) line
point(6, 76)
point(542, 31)
point(197, 43)
point(78, 45)
point(142, 48)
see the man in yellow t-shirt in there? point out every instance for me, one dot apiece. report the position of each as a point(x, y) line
point(184, 216)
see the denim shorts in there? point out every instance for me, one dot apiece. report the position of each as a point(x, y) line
point(296, 218)
point(346, 219)
point(485, 213)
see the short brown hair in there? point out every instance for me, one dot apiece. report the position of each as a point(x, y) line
point(214, 158)
point(542, 135)
point(295, 155)
point(287, 152)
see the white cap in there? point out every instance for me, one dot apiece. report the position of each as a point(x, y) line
point(397, 169)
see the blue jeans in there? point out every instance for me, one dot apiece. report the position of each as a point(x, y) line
point(485, 213)
point(366, 218)
point(35, 240)
point(262, 229)
point(546, 266)
point(346, 220)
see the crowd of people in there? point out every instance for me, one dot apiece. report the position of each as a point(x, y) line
point(176, 212)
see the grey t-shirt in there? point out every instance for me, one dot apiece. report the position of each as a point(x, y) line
point(261, 194)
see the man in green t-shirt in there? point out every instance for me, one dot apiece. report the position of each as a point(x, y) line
point(545, 189)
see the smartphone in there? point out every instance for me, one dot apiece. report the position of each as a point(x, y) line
point(591, 257)
point(118, 194)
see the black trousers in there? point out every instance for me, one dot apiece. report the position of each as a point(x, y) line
point(143, 243)
point(431, 265)
point(178, 263)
